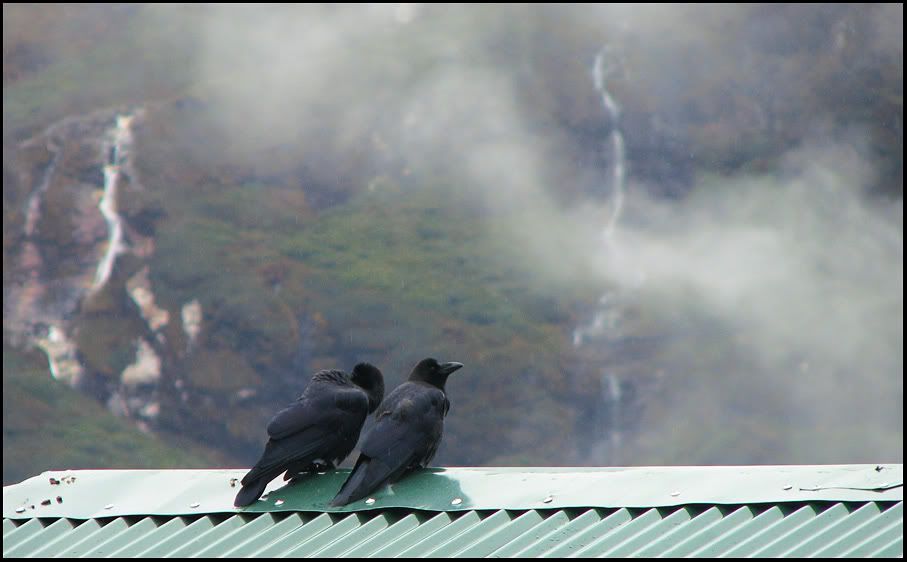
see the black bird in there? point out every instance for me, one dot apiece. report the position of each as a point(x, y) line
point(318, 430)
point(406, 434)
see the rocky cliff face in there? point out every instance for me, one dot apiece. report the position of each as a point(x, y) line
point(69, 265)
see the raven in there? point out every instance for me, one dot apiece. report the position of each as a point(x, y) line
point(406, 433)
point(318, 430)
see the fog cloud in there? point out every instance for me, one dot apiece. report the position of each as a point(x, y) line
point(803, 275)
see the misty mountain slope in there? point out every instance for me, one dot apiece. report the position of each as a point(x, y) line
point(80, 59)
point(391, 274)
point(415, 263)
point(47, 426)
point(306, 187)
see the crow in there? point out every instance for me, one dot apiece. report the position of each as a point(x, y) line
point(406, 433)
point(317, 431)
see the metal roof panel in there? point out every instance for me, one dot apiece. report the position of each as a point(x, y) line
point(105, 493)
point(868, 521)
point(819, 529)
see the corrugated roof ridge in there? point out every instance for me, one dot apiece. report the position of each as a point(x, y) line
point(87, 494)
point(869, 528)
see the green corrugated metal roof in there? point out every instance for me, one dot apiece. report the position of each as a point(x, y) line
point(794, 511)
point(106, 493)
point(815, 529)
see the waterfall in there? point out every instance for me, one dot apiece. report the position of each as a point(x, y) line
point(43, 297)
point(38, 308)
point(606, 316)
point(601, 69)
point(117, 153)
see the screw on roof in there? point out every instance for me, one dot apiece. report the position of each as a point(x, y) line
point(456, 501)
point(194, 504)
point(370, 501)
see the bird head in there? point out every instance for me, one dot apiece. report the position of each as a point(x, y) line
point(434, 373)
point(370, 379)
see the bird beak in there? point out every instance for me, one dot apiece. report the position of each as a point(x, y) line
point(448, 368)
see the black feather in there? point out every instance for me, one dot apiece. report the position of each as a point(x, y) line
point(407, 432)
point(318, 430)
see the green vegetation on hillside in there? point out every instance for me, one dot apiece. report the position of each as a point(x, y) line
point(335, 186)
point(49, 426)
point(389, 276)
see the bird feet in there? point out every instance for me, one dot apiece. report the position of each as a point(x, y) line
point(293, 475)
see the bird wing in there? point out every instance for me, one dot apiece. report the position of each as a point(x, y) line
point(327, 407)
point(311, 443)
point(409, 427)
point(321, 424)
point(406, 435)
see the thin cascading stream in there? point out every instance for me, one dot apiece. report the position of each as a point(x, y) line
point(606, 317)
point(55, 344)
point(602, 68)
point(45, 296)
point(39, 306)
point(117, 154)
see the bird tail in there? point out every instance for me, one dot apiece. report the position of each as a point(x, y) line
point(352, 489)
point(367, 476)
point(251, 492)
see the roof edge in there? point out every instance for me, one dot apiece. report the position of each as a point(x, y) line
point(86, 494)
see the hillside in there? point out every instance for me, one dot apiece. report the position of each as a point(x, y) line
point(682, 247)
point(47, 426)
